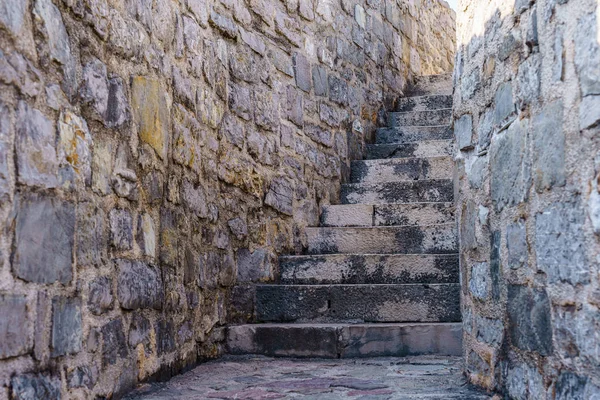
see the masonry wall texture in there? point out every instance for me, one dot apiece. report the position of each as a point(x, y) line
point(154, 155)
point(526, 113)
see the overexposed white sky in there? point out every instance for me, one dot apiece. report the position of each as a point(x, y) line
point(453, 3)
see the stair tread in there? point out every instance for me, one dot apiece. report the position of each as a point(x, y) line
point(339, 324)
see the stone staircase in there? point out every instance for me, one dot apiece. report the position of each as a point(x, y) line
point(381, 273)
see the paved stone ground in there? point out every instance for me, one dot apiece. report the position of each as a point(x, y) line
point(251, 377)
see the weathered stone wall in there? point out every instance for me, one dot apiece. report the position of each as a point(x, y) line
point(156, 153)
point(526, 110)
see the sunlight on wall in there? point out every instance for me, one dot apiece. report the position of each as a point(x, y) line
point(472, 23)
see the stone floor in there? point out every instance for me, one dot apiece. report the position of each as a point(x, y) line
point(251, 377)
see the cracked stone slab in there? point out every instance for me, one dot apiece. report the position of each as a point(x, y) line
point(425, 191)
point(369, 269)
point(411, 134)
point(387, 214)
point(420, 118)
point(425, 148)
point(401, 169)
point(358, 303)
point(431, 239)
point(424, 103)
point(432, 85)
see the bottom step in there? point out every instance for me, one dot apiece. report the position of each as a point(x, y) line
point(346, 340)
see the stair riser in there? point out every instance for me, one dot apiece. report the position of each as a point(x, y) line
point(353, 341)
point(361, 215)
point(437, 239)
point(441, 148)
point(432, 85)
point(368, 303)
point(421, 118)
point(410, 134)
point(440, 191)
point(424, 103)
point(397, 170)
point(368, 269)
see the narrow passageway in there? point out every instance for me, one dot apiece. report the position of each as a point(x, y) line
point(380, 279)
point(251, 377)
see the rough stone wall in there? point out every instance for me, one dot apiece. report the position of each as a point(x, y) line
point(527, 108)
point(155, 153)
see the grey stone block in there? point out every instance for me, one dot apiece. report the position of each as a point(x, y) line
point(16, 334)
point(114, 343)
point(426, 148)
point(510, 173)
point(479, 281)
point(410, 134)
point(139, 286)
point(121, 229)
point(35, 387)
point(589, 114)
point(463, 130)
point(100, 296)
point(302, 72)
point(560, 245)
point(280, 196)
point(252, 266)
point(424, 103)
point(398, 170)
point(516, 242)
point(504, 103)
point(67, 326)
point(319, 77)
point(420, 118)
point(12, 15)
point(44, 239)
point(529, 318)
point(549, 147)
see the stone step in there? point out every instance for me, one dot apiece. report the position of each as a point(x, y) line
point(420, 118)
point(423, 103)
point(345, 340)
point(427, 148)
point(432, 85)
point(425, 191)
point(358, 303)
point(429, 239)
point(411, 134)
point(387, 214)
point(401, 169)
point(368, 269)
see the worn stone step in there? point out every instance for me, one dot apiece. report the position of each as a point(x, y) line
point(387, 214)
point(424, 103)
point(420, 118)
point(411, 134)
point(432, 85)
point(430, 239)
point(358, 303)
point(368, 269)
point(401, 169)
point(424, 191)
point(345, 340)
point(427, 148)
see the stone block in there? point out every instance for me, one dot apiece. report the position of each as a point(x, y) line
point(35, 387)
point(589, 112)
point(338, 90)
point(100, 296)
point(479, 281)
point(510, 172)
point(224, 24)
point(67, 327)
point(75, 147)
point(92, 236)
point(146, 235)
point(83, 376)
point(54, 29)
point(528, 81)
point(151, 113)
point(529, 319)
point(549, 147)
point(302, 72)
point(295, 106)
point(516, 242)
point(560, 244)
point(121, 229)
point(319, 135)
point(252, 266)
point(12, 15)
point(463, 130)
point(587, 54)
point(319, 77)
point(139, 330)
point(240, 101)
point(165, 337)
point(44, 239)
point(468, 226)
point(280, 196)
point(194, 198)
point(139, 286)
point(504, 103)
point(489, 330)
point(16, 335)
point(114, 343)
point(6, 134)
point(37, 162)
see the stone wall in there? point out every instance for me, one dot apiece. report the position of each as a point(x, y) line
point(526, 110)
point(156, 153)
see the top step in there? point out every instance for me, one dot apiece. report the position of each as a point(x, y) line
point(424, 103)
point(432, 85)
